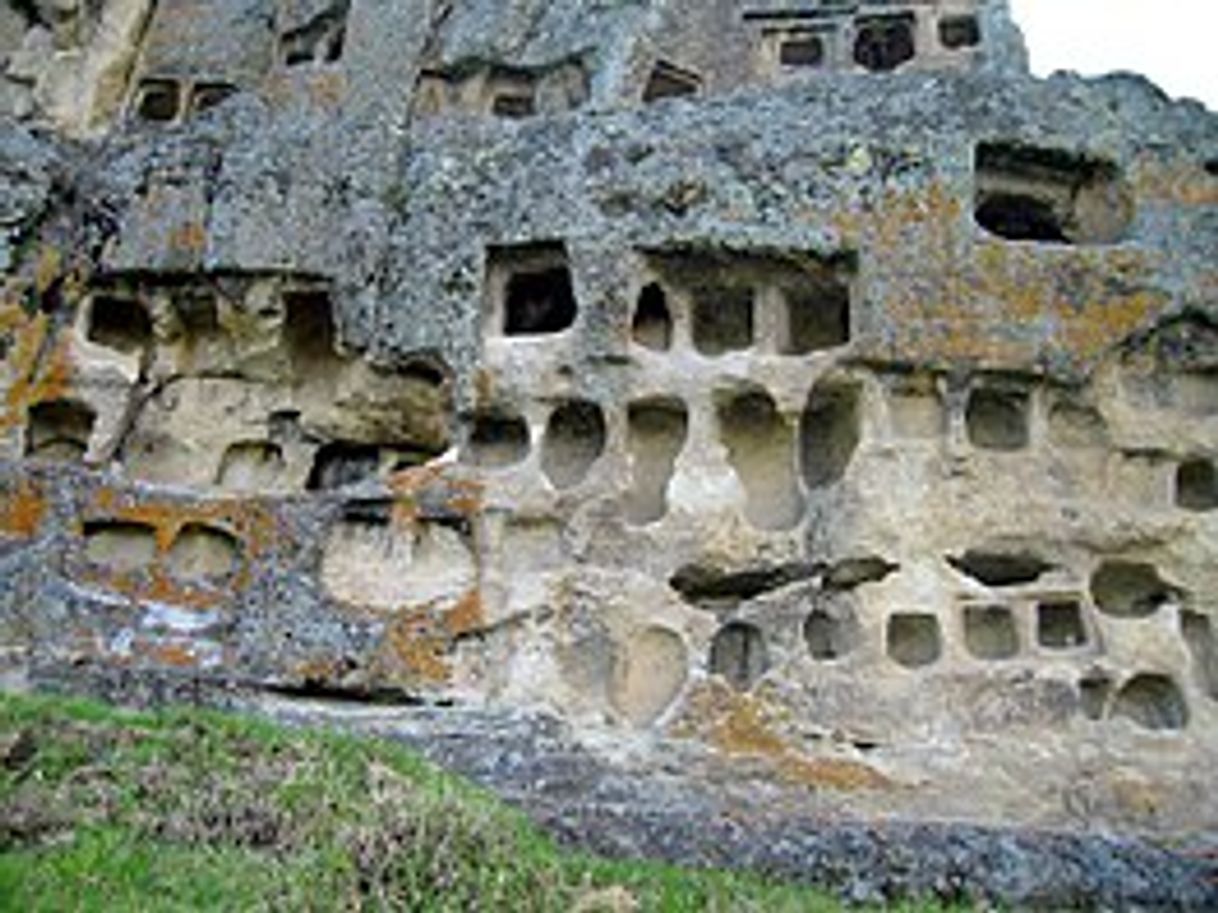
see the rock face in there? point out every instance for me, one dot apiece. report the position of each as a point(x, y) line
point(800, 395)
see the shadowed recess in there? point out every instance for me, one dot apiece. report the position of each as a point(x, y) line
point(990, 633)
point(668, 80)
point(956, 32)
point(997, 419)
point(914, 640)
point(200, 550)
point(738, 653)
point(120, 545)
point(1197, 486)
point(1060, 625)
point(1127, 589)
point(656, 433)
point(708, 586)
point(761, 450)
point(883, 43)
point(251, 466)
point(652, 327)
point(119, 323)
point(573, 442)
point(59, 431)
point(342, 463)
point(1201, 638)
point(1000, 569)
point(533, 287)
point(1152, 701)
point(831, 632)
point(498, 440)
point(829, 433)
point(1050, 196)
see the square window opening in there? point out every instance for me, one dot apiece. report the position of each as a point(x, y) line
point(1059, 625)
point(817, 318)
point(723, 320)
point(533, 287)
point(956, 32)
point(990, 632)
point(798, 51)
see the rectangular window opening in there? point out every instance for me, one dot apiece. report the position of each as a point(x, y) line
point(817, 317)
point(670, 81)
point(956, 32)
point(531, 288)
point(801, 50)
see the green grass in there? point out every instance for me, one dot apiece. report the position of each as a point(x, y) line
point(105, 810)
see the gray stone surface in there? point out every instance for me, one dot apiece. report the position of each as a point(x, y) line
point(831, 444)
point(611, 805)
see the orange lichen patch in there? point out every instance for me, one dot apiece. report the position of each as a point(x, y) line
point(12, 316)
point(706, 702)
point(47, 269)
point(189, 238)
point(154, 585)
point(463, 497)
point(321, 670)
point(416, 647)
point(1138, 797)
point(1012, 303)
point(1122, 316)
point(21, 511)
point(740, 725)
point(744, 730)
point(1207, 284)
point(926, 221)
point(176, 655)
point(953, 294)
point(467, 616)
point(277, 89)
point(160, 586)
point(407, 483)
point(406, 486)
point(418, 641)
point(1086, 300)
point(484, 388)
point(32, 382)
point(327, 89)
point(249, 522)
point(838, 774)
point(466, 497)
point(1180, 182)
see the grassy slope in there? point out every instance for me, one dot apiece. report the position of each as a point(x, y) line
point(186, 810)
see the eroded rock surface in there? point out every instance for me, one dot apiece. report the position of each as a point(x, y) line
point(799, 388)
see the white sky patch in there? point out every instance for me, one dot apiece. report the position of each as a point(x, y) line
point(1170, 41)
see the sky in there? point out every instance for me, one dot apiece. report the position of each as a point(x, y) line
point(1171, 41)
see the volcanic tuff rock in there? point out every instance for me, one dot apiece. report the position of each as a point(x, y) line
point(796, 400)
